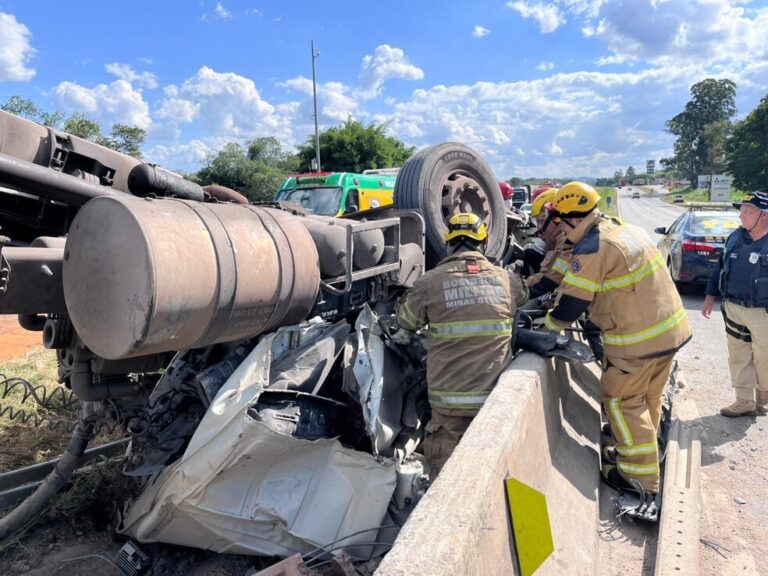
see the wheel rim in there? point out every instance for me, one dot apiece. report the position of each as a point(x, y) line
point(462, 193)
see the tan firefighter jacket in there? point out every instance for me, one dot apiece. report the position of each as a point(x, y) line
point(619, 276)
point(468, 308)
point(554, 268)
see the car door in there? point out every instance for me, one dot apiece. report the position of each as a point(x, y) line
point(675, 240)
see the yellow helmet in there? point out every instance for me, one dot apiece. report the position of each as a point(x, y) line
point(575, 199)
point(542, 200)
point(468, 225)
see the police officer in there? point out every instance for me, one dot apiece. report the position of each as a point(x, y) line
point(741, 278)
point(618, 276)
point(468, 308)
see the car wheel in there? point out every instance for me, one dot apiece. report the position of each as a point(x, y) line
point(681, 286)
point(447, 179)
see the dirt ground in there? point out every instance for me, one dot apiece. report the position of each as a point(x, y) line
point(14, 340)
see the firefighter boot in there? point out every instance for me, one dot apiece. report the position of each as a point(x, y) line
point(762, 402)
point(739, 408)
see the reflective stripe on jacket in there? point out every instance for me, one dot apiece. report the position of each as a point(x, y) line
point(619, 275)
point(468, 321)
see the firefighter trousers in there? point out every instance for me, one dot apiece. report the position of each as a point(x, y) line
point(443, 435)
point(632, 391)
point(747, 331)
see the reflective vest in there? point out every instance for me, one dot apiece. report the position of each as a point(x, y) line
point(466, 309)
point(744, 275)
point(617, 273)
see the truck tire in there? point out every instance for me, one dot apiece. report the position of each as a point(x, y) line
point(446, 179)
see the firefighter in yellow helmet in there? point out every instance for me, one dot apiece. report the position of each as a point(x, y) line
point(558, 254)
point(537, 253)
point(617, 275)
point(465, 308)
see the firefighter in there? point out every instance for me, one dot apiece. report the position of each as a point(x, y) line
point(466, 306)
point(618, 276)
point(557, 259)
point(741, 278)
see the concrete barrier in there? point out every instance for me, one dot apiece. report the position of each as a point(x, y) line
point(539, 428)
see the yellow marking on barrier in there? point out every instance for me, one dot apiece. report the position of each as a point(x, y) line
point(530, 525)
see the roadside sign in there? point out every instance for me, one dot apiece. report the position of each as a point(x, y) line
point(650, 166)
point(720, 189)
point(702, 181)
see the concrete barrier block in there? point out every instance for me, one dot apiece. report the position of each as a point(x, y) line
point(534, 427)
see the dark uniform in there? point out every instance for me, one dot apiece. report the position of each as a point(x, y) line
point(741, 278)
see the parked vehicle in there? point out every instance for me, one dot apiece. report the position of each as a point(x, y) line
point(692, 245)
point(678, 198)
point(338, 193)
point(521, 195)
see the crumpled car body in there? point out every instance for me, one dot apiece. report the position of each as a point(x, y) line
point(266, 471)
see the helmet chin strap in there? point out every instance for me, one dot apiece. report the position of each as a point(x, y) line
point(567, 222)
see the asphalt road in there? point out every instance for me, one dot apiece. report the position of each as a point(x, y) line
point(734, 451)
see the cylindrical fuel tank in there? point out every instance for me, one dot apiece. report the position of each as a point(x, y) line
point(143, 276)
point(330, 237)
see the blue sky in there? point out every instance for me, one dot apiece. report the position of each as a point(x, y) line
point(574, 87)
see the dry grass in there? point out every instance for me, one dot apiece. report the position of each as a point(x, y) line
point(24, 443)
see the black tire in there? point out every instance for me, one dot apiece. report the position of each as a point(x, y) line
point(427, 183)
point(681, 286)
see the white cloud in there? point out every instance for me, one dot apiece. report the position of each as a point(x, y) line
point(219, 13)
point(16, 51)
point(674, 30)
point(117, 102)
point(385, 64)
point(547, 15)
point(185, 157)
point(227, 104)
point(480, 31)
point(566, 124)
point(545, 65)
point(127, 73)
point(178, 109)
point(222, 12)
point(335, 101)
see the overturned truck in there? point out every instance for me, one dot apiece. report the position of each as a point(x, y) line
point(246, 350)
point(237, 345)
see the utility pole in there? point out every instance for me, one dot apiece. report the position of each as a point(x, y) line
point(314, 100)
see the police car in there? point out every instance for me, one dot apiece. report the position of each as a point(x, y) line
point(692, 245)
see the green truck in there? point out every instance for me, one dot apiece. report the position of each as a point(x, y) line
point(338, 193)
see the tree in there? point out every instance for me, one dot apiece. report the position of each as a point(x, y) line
point(256, 169)
point(354, 147)
point(27, 109)
point(715, 135)
point(631, 174)
point(82, 127)
point(747, 151)
point(126, 139)
point(713, 101)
